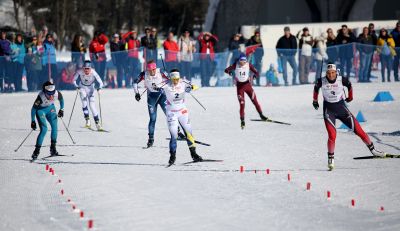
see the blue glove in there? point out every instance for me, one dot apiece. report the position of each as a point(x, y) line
point(189, 88)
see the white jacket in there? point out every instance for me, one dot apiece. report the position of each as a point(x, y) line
point(186, 47)
point(321, 49)
point(306, 49)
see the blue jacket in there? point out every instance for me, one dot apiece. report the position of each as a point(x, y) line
point(5, 47)
point(396, 37)
point(49, 51)
point(18, 52)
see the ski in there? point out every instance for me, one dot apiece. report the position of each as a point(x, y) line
point(271, 121)
point(196, 141)
point(169, 165)
point(204, 160)
point(95, 130)
point(388, 156)
point(47, 157)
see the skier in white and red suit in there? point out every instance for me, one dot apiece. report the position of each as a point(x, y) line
point(240, 70)
point(334, 107)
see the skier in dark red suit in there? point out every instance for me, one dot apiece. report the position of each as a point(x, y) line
point(241, 72)
point(334, 107)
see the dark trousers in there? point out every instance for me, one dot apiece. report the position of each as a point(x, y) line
point(100, 67)
point(396, 64)
point(206, 71)
point(171, 65)
point(133, 71)
point(17, 77)
point(186, 70)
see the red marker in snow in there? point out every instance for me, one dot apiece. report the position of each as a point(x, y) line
point(328, 195)
point(90, 224)
point(47, 167)
point(62, 191)
point(81, 214)
point(353, 202)
point(288, 177)
point(308, 185)
point(241, 168)
point(267, 170)
point(382, 208)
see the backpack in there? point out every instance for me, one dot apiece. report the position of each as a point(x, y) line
point(385, 49)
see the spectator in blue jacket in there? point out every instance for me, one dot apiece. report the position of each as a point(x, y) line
point(5, 64)
point(396, 37)
point(49, 62)
point(18, 56)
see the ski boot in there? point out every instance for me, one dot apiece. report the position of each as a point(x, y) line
point(150, 142)
point(87, 123)
point(242, 123)
point(53, 150)
point(36, 153)
point(172, 158)
point(331, 161)
point(98, 126)
point(375, 152)
point(263, 117)
point(195, 156)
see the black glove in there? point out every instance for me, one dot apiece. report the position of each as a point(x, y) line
point(315, 105)
point(33, 125)
point(98, 89)
point(348, 99)
point(61, 113)
point(137, 97)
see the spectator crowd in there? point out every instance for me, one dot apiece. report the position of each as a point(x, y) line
point(33, 56)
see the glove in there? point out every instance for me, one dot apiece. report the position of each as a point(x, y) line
point(348, 100)
point(98, 89)
point(33, 125)
point(315, 105)
point(78, 88)
point(137, 97)
point(61, 113)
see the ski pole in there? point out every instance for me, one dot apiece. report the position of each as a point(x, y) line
point(101, 116)
point(24, 140)
point(76, 96)
point(197, 101)
point(162, 60)
point(66, 128)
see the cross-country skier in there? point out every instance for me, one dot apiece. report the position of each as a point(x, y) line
point(43, 109)
point(178, 114)
point(154, 80)
point(241, 71)
point(86, 87)
point(334, 107)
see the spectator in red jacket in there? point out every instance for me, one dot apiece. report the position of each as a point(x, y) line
point(207, 42)
point(171, 50)
point(98, 53)
point(132, 44)
point(67, 77)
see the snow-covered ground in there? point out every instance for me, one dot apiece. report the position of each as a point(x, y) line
point(122, 186)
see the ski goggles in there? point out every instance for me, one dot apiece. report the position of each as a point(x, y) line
point(151, 66)
point(50, 89)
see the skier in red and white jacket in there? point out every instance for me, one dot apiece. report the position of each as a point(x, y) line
point(241, 71)
point(334, 107)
